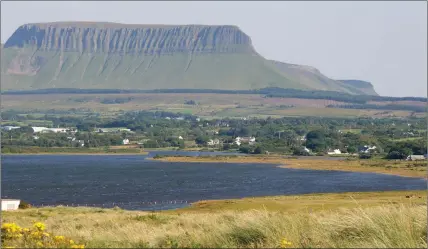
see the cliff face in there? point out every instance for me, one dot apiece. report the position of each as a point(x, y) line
point(122, 56)
point(130, 39)
point(364, 86)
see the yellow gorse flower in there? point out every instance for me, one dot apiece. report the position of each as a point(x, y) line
point(78, 246)
point(285, 243)
point(36, 237)
point(39, 226)
point(59, 238)
point(10, 231)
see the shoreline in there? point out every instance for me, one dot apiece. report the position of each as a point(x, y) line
point(76, 153)
point(287, 203)
point(313, 201)
point(361, 166)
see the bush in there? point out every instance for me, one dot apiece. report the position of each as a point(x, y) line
point(396, 155)
point(365, 156)
point(24, 205)
point(247, 236)
point(13, 236)
point(226, 146)
point(258, 150)
point(300, 152)
point(244, 149)
point(157, 156)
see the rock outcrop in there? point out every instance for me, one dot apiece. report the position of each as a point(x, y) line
point(130, 39)
point(364, 86)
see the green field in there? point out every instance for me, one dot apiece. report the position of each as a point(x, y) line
point(208, 105)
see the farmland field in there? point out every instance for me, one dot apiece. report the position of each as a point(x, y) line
point(206, 105)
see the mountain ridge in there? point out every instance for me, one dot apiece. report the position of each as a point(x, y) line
point(144, 56)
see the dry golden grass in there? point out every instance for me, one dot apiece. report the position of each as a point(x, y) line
point(401, 168)
point(309, 202)
point(387, 226)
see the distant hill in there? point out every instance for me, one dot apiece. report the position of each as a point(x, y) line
point(142, 57)
point(364, 86)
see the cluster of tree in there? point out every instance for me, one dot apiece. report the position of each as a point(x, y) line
point(116, 100)
point(268, 92)
point(251, 149)
point(401, 150)
point(190, 102)
point(331, 95)
point(284, 135)
point(412, 108)
point(24, 137)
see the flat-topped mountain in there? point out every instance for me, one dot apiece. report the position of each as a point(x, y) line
point(85, 37)
point(95, 55)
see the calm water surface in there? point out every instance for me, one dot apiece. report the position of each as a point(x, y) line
point(136, 182)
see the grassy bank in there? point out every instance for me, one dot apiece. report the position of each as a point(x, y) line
point(309, 202)
point(400, 225)
point(392, 167)
point(71, 151)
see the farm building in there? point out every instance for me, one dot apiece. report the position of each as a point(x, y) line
point(8, 128)
point(125, 141)
point(213, 142)
point(55, 130)
point(9, 204)
point(335, 152)
point(416, 157)
point(249, 140)
point(106, 130)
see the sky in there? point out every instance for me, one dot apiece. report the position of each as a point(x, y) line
point(382, 42)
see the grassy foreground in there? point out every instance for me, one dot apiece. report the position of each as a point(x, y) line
point(399, 225)
point(392, 167)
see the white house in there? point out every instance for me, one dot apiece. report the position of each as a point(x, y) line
point(213, 142)
point(37, 129)
point(180, 137)
point(367, 149)
point(334, 152)
point(56, 130)
point(125, 141)
point(416, 157)
point(8, 127)
point(9, 204)
point(102, 130)
point(240, 140)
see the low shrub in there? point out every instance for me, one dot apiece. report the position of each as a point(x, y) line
point(13, 236)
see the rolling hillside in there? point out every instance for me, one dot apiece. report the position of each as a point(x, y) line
point(122, 56)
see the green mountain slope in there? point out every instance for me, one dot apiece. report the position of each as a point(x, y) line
point(364, 86)
point(121, 56)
